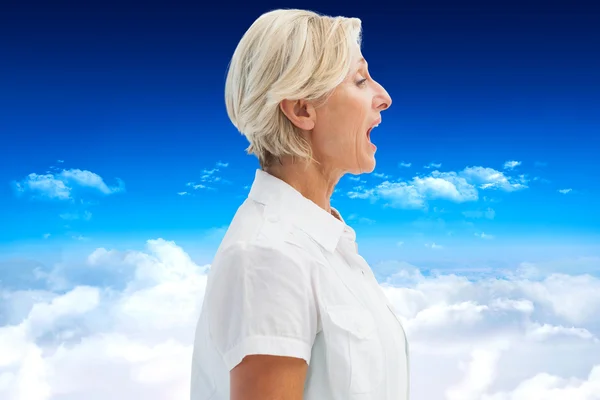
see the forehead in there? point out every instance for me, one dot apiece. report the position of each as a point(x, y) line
point(357, 55)
point(358, 63)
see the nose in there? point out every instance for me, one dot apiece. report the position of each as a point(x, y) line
point(382, 100)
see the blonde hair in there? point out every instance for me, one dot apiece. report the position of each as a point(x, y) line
point(286, 54)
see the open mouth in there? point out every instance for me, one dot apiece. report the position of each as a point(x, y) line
point(369, 131)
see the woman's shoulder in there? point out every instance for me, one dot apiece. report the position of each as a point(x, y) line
point(256, 234)
point(261, 251)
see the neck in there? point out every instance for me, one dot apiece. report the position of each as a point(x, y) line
point(310, 179)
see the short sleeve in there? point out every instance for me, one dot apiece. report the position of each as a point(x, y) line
point(261, 301)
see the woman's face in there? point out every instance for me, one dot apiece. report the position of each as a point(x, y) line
point(340, 138)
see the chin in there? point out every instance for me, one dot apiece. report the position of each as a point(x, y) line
point(366, 166)
point(369, 162)
point(370, 167)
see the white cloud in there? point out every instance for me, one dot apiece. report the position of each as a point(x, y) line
point(404, 165)
point(529, 334)
point(489, 178)
point(434, 246)
point(479, 373)
point(583, 265)
point(382, 176)
point(98, 342)
point(89, 179)
point(434, 187)
point(544, 386)
point(61, 185)
point(540, 179)
point(459, 191)
point(86, 216)
point(484, 235)
point(458, 187)
point(358, 219)
point(414, 194)
point(511, 164)
point(47, 185)
point(80, 238)
point(182, 193)
point(565, 191)
point(546, 331)
point(208, 177)
point(489, 213)
point(195, 186)
point(400, 194)
point(432, 165)
point(506, 338)
point(208, 172)
point(359, 192)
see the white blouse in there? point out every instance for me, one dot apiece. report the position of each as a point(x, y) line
point(287, 280)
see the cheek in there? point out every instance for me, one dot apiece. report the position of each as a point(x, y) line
point(349, 135)
point(336, 143)
point(341, 134)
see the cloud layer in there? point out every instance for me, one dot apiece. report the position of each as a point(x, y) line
point(525, 336)
point(120, 325)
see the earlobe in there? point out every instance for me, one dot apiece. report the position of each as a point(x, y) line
point(299, 112)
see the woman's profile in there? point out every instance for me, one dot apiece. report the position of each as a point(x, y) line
point(291, 310)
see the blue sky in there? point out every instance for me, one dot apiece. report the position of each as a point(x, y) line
point(119, 172)
point(488, 154)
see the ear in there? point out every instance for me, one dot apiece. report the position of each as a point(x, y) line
point(300, 112)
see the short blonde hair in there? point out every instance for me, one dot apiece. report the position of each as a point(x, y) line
point(286, 54)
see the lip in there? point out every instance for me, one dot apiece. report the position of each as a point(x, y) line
point(376, 122)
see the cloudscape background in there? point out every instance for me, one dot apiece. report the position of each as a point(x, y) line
point(119, 172)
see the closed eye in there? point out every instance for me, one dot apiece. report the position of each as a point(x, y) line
point(361, 82)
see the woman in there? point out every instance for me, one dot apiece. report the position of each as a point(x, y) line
point(291, 310)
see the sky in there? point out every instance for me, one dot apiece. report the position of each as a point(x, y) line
point(120, 172)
